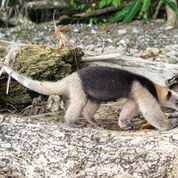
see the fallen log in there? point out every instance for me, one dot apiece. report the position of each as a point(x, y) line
point(34, 148)
point(47, 4)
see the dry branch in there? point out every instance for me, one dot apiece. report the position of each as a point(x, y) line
point(97, 12)
point(103, 11)
point(47, 4)
point(157, 9)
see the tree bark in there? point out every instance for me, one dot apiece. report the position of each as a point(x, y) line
point(48, 148)
point(171, 16)
point(47, 4)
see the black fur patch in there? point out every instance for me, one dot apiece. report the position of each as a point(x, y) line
point(108, 84)
point(169, 95)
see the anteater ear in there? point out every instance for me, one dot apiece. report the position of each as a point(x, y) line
point(169, 94)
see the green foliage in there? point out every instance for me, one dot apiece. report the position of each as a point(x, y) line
point(141, 7)
point(145, 9)
point(120, 15)
point(105, 3)
point(133, 9)
point(92, 21)
point(129, 12)
point(126, 13)
point(171, 5)
point(76, 5)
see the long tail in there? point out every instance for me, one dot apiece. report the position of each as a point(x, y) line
point(43, 87)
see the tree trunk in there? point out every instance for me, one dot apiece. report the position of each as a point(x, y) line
point(171, 16)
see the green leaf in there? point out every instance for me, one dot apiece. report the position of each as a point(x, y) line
point(102, 3)
point(145, 8)
point(120, 15)
point(133, 9)
point(171, 5)
point(116, 3)
point(109, 2)
point(82, 6)
point(146, 5)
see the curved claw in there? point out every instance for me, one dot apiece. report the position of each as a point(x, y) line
point(76, 125)
point(125, 125)
point(174, 122)
point(93, 121)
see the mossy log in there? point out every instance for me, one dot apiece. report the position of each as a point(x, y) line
point(40, 63)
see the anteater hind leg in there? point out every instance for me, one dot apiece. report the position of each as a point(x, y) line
point(129, 110)
point(77, 102)
point(89, 111)
point(74, 110)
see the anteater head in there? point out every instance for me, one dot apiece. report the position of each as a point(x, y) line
point(167, 97)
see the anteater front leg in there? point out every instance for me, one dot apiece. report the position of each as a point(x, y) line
point(129, 110)
point(89, 111)
point(150, 108)
point(78, 101)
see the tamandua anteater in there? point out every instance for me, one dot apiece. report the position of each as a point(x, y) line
point(90, 86)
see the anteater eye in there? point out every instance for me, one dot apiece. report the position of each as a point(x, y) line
point(169, 94)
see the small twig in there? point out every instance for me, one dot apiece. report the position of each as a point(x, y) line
point(8, 84)
point(61, 39)
point(97, 12)
point(103, 45)
point(25, 109)
point(54, 13)
point(12, 106)
point(157, 9)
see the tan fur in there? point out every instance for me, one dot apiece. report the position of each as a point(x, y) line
point(129, 110)
point(77, 97)
point(150, 107)
point(46, 88)
point(72, 87)
point(162, 93)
